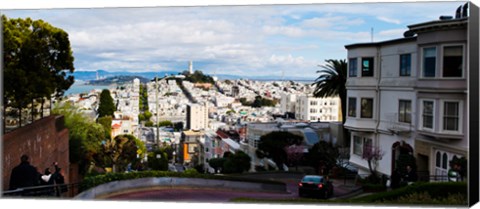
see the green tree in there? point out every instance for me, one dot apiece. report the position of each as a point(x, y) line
point(106, 122)
point(106, 107)
point(272, 145)
point(217, 163)
point(237, 163)
point(149, 123)
point(331, 82)
point(165, 123)
point(122, 150)
point(37, 58)
point(323, 157)
point(85, 136)
point(158, 160)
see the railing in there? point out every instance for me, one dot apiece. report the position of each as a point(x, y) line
point(395, 126)
point(48, 191)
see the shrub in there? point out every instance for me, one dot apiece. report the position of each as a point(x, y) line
point(435, 190)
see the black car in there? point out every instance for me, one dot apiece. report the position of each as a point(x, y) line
point(317, 186)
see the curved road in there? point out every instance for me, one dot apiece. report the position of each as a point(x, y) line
point(195, 195)
point(177, 194)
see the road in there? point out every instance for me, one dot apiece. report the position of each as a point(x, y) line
point(224, 195)
point(195, 195)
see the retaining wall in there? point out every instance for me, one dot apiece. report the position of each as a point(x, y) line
point(145, 183)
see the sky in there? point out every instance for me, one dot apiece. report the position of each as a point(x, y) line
point(258, 40)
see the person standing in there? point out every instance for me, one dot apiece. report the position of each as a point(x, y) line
point(58, 180)
point(24, 175)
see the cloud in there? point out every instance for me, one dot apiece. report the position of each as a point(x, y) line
point(389, 20)
point(242, 40)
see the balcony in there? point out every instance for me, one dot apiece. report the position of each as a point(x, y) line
point(398, 128)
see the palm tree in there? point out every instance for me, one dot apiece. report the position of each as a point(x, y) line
point(331, 82)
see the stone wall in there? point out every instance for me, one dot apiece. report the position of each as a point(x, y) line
point(45, 141)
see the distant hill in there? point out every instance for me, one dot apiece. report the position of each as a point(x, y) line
point(117, 80)
point(92, 75)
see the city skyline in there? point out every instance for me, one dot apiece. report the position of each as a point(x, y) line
point(267, 40)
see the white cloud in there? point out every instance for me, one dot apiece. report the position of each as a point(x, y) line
point(389, 20)
point(328, 22)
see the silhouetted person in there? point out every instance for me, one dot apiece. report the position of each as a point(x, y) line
point(411, 176)
point(24, 175)
point(58, 179)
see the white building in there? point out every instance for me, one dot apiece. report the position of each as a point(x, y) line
point(287, 102)
point(318, 109)
point(409, 96)
point(197, 116)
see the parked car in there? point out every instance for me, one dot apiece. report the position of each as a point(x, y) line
point(317, 186)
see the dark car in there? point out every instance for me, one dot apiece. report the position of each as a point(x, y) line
point(317, 186)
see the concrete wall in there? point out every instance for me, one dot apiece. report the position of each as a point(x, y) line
point(45, 141)
point(110, 188)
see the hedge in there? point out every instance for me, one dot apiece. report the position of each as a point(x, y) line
point(435, 190)
point(93, 181)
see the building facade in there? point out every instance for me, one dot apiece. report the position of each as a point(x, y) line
point(409, 96)
point(318, 109)
point(197, 116)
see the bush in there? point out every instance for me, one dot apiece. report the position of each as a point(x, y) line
point(435, 190)
point(425, 198)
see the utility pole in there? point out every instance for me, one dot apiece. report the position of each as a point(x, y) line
point(156, 109)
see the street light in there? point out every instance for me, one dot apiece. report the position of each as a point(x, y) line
point(174, 153)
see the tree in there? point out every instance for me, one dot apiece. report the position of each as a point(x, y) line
point(294, 154)
point(372, 155)
point(178, 126)
point(165, 123)
point(122, 150)
point(106, 107)
point(272, 145)
point(240, 162)
point(37, 58)
point(85, 136)
point(106, 122)
point(331, 82)
point(217, 163)
point(323, 157)
point(158, 160)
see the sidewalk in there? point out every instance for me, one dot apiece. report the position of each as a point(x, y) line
point(344, 189)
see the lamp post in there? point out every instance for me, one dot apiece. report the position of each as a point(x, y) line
point(174, 153)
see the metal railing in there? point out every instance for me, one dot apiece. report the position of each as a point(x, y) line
point(47, 191)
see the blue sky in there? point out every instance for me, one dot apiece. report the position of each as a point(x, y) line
point(239, 40)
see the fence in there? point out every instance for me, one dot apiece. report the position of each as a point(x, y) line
point(48, 191)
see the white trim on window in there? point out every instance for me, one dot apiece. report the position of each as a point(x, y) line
point(420, 123)
point(464, 60)
point(460, 116)
point(422, 49)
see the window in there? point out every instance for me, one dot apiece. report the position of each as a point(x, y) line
point(405, 64)
point(427, 114)
point(352, 67)
point(313, 110)
point(352, 107)
point(366, 108)
point(361, 145)
point(405, 111)
point(450, 116)
point(452, 61)
point(313, 103)
point(357, 145)
point(429, 61)
point(367, 67)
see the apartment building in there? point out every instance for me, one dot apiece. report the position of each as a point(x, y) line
point(318, 109)
point(409, 95)
point(197, 116)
